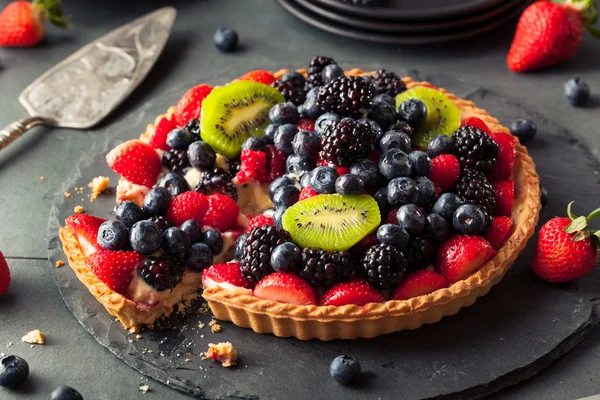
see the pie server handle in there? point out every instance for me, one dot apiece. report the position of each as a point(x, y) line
point(17, 128)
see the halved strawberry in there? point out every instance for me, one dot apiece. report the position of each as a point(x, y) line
point(505, 196)
point(418, 283)
point(85, 227)
point(159, 139)
point(462, 255)
point(253, 167)
point(222, 212)
point(135, 161)
point(357, 292)
point(228, 276)
point(306, 125)
point(475, 123)
point(275, 162)
point(115, 268)
point(285, 287)
point(506, 156)
point(260, 76)
point(307, 192)
point(445, 171)
point(188, 205)
point(259, 221)
point(190, 105)
point(499, 231)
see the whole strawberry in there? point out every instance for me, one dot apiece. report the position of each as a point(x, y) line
point(566, 248)
point(22, 22)
point(4, 275)
point(549, 33)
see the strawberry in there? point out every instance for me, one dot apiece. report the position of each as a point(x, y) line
point(445, 171)
point(506, 156)
point(418, 283)
point(499, 231)
point(253, 167)
point(342, 170)
point(549, 33)
point(85, 228)
point(259, 221)
point(462, 255)
point(567, 248)
point(260, 76)
point(4, 275)
point(22, 22)
point(159, 139)
point(275, 162)
point(225, 276)
point(190, 105)
point(135, 161)
point(306, 125)
point(222, 212)
point(357, 292)
point(505, 196)
point(187, 205)
point(306, 193)
point(115, 268)
point(392, 216)
point(285, 287)
point(475, 123)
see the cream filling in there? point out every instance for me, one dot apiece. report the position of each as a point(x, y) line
point(253, 197)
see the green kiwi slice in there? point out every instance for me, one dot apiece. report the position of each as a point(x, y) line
point(443, 117)
point(233, 113)
point(331, 221)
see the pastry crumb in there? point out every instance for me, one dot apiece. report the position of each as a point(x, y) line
point(42, 178)
point(9, 344)
point(59, 263)
point(78, 209)
point(223, 352)
point(216, 328)
point(188, 360)
point(67, 195)
point(138, 337)
point(145, 389)
point(204, 308)
point(201, 324)
point(34, 337)
point(98, 185)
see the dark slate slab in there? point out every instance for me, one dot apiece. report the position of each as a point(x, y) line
point(520, 327)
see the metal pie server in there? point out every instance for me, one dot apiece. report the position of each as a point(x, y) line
point(83, 89)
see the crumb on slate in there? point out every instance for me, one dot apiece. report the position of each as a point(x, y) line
point(145, 389)
point(78, 209)
point(138, 337)
point(201, 324)
point(204, 308)
point(9, 344)
point(59, 263)
point(34, 337)
point(216, 328)
point(67, 195)
point(42, 178)
point(98, 185)
point(188, 360)
point(223, 352)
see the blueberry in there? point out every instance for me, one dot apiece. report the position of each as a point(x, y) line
point(113, 235)
point(306, 144)
point(395, 140)
point(312, 93)
point(254, 143)
point(468, 220)
point(180, 139)
point(383, 113)
point(384, 98)
point(394, 164)
point(401, 126)
point(441, 144)
point(322, 179)
point(284, 113)
point(577, 92)
point(174, 183)
point(310, 109)
point(225, 39)
point(144, 237)
point(286, 257)
point(213, 239)
point(278, 215)
point(380, 197)
point(269, 133)
point(305, 180)
point(295, 78)
point(349, 184)
point(199, 257)
point(524, 129)
point(65, 393)
point(446, 205)
point(193, 229)
point(286, 196)
point(420, 163)
point(344, 369)
point(129, 213)
point(411, 218)
point(201, 155)
point(13, 371)
point(296, 165)
point(436, 228)
point(283, 138)
point(376, 127)
point(367, 171)
point(278, 183)
point(425, 191)
point(325, 120)
point(401, 191)
point(392, 234)
point(175, 241)
point(240, 244)
point(543, 195)
point(413, 111)
point(157, 201)
point(331, 72)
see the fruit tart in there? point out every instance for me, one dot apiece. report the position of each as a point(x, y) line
point(317, 203)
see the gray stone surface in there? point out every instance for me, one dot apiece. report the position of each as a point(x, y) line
point(270, 38)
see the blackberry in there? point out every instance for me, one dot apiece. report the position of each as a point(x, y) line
point(162, 273)
point(419, 252)
point(383, 265)
point(216, 181)
point(348, 96)
point(474, 188)
point(388, 82)
point(326, 268)
point(176, 160)
point(315, 68)
point(347, 141)
point(193, 127)
point(290, 92)
point(475, 149)
point(161, 223)
point(233, 165)
point(255, 263)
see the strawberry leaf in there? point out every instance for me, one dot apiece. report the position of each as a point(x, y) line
point(594, 214)
point(569, 213)
point(581, 235)
point(579, 224)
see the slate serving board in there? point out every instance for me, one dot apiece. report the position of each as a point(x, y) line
point(520, 327)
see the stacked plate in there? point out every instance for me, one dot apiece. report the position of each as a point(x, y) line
point(405, 21)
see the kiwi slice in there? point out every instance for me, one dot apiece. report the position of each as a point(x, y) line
point(233, 113)
point(331, 221)
point(443, 117)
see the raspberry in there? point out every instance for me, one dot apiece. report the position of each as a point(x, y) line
point(505, 196)
point(187, 205)
point(275, 162)
point(307, 192)
point(290, 92)
point(506, 156)
point(392, 216)
point(383, 265)
point(306, 125)
point(222, 212)
point(326, 268)
point(253, 167)
point(475, 123)
point(388, 82)
point(342, 170)
point(347, 141)
point(475, 149)
point(259, 221)
point(260, 76)
point(159, 139)
point(445, 171)
point(315, 68)
point(348, 96)
point(499, 231)
point(190, 105)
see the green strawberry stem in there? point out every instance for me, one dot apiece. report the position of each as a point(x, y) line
point(50, 10)
point(588, 11)
point(580, 228)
